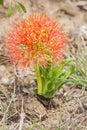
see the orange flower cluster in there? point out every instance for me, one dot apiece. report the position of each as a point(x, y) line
point(38, 40)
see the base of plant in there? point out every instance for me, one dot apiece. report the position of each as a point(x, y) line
point(47, 102)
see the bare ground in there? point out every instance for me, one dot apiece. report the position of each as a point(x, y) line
point(19, 108)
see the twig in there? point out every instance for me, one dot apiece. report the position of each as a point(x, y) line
point(22, 115)
point(15, 82)
point(6, 111)
point(81, 105)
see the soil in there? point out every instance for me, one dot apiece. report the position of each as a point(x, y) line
point(20, 109)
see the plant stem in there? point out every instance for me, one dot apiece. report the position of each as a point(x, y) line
point(39, 81)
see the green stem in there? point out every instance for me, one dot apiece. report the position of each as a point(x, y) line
point(39, 81)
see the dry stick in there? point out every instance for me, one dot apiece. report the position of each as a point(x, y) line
point(22, 115)
point(15, 82)
point(83, 120)
point(6, 111)
point(16, 127)
point(12, 115)
point(81, 105)
point(15, 71)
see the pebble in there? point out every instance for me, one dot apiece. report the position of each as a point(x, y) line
point(5, 80)
point(2, 68)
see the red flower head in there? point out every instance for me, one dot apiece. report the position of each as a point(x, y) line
point(38, 40)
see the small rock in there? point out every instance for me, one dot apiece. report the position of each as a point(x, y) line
point(5, 80)
point(65, 94)
point(2, 68)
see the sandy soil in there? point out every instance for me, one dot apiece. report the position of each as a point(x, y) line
point(19, 108)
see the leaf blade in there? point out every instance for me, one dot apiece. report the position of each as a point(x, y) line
point(10, 10)
point(22, 7)
point(1, 2)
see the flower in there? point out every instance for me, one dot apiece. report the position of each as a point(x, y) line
point(38, 39)
point(16, 44)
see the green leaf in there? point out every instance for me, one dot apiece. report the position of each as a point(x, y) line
point(22, 7)
point(1, 2)
point(10, 10)
point(17, 8)
point(78, 81)
point(53, 77)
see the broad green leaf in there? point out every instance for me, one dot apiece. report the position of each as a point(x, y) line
point(53, 77)
point(1, 2)
point(22, 7)
point(10, 10)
